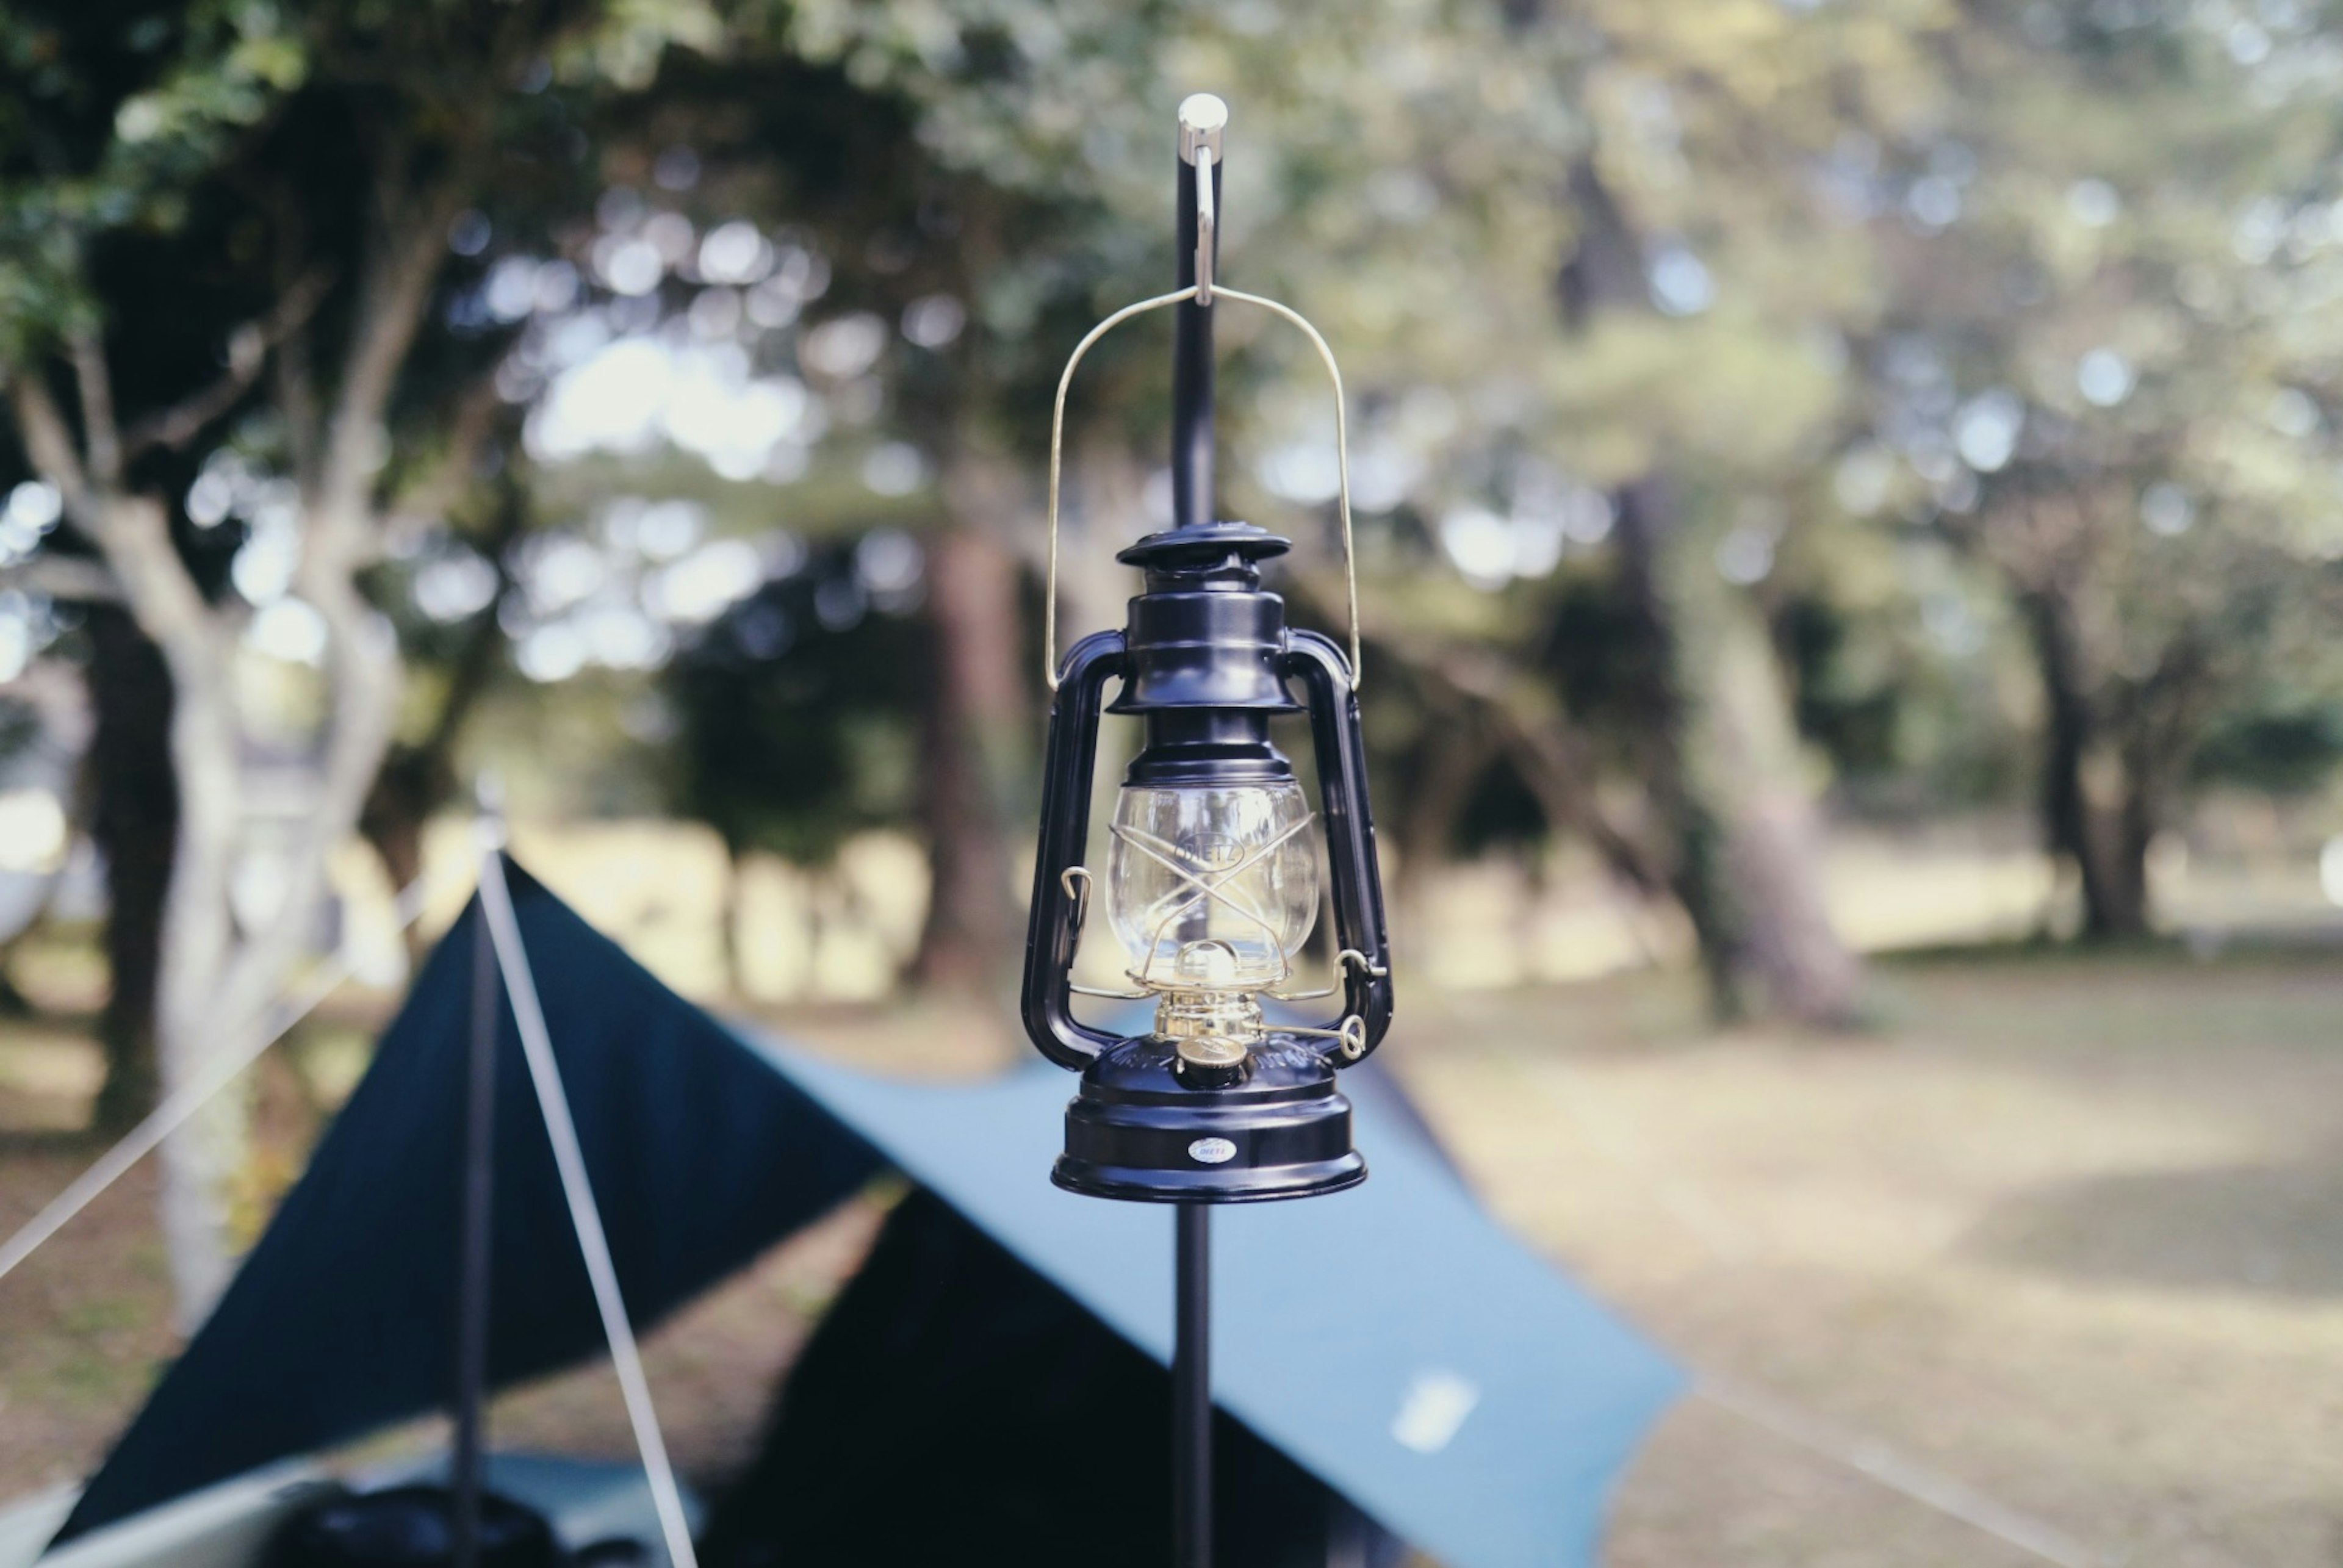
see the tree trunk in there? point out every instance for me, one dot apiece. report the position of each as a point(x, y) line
point(1725, 769)
point(2109, 856)
point(135, 819)
point(413, 783)
point(1646, 524)
point(1456, 753)
point(736, 953)
point(2137, 822)
point(1752, 771)
point(974, 747)
point(200, 1162)
point(1721, 750)
point(2162, 727)
point(219, 987)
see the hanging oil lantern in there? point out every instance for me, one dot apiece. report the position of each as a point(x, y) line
point(1212, 881)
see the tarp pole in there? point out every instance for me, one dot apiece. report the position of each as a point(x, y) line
point(1192, 1388)
point(474, 1235)
point(585, 1215)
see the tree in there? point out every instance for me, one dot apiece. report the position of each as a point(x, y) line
point(2103, 370)
point(798, 708)
point(849, 303)
point(135, 820)
point(303, 174)
point(1471, 170)
point(418, 776)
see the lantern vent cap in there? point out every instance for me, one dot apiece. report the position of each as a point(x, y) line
point(1204, 545)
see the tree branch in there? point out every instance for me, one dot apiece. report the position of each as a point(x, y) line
point(1551, 761)
point(1528, 724)
point(247, 351)
point(392, 295)
point(131, 530)
point(51, 446)
point(428, 502)
point(101, 438)
point(76, 580)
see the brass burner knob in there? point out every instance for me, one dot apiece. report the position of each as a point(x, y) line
point(1210, 1062)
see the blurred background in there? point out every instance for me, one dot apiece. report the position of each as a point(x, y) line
point(1850, 531)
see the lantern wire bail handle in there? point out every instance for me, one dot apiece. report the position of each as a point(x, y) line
point(1203, 293)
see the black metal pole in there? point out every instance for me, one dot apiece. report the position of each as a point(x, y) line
point(473, 1239)
point(1202, 118)
point(1191, 1389)
point(1191, 350)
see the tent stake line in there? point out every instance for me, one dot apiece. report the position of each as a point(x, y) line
point(1873, 1460)
point(167, 1117)
point(577, 1189)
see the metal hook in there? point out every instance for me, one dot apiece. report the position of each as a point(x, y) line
point(1342, 457)
point(1207, 219)
point(1076, 881)
point(1203, 118)
point(1348, 958)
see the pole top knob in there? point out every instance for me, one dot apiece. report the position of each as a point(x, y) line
point(489, 830)
point(1202, 117)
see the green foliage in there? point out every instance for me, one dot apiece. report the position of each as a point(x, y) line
point(1425, 180)
point(795, 712)
point(109, 130)
point(1929, 315)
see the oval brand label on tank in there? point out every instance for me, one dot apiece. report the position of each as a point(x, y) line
point(1211, 1150)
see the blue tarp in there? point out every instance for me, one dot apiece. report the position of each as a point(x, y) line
point(1392, 1340)
point(342, 1319)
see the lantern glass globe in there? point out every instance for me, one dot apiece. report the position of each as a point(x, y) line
point(1212, 888)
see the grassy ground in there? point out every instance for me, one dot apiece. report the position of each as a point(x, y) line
point(2069, 1232)
point(2065, 1233)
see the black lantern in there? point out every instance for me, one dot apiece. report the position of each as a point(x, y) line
point(1211, 885)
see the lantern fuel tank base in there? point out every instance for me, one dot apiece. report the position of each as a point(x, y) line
point(1137, 1131)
